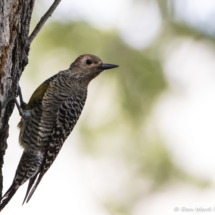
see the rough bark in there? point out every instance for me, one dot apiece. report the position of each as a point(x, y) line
point(15, 16)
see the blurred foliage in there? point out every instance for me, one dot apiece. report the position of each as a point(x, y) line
point(134, 89)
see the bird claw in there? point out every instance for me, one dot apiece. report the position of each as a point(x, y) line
point(22, 105)
point(23, 113)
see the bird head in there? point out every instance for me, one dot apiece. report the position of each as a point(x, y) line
point(89, 66)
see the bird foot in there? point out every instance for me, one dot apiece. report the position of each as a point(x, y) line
point(22, 103)
point(23, 113)
point(22, 106)
point(18, 92)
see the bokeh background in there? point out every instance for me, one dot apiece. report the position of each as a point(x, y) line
point(145, 141)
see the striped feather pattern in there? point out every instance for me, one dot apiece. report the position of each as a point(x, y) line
point(53, 111)
point(53, 115)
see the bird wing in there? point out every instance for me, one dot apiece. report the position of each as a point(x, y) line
point(37, 95)
point(67, 116)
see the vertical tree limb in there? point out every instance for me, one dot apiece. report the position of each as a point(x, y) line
point(15, 17)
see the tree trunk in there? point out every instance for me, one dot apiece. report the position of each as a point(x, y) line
point(15, 16)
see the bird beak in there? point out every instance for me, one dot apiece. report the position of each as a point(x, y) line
point(105, 66)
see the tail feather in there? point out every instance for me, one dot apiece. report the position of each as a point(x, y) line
point(8, 195)
point(34, 188)
point(30, 184)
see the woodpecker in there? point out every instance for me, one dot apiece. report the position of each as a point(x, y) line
point(49, 118)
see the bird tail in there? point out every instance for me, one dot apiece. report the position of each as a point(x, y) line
point(30, 184)
point(48, 161)
point(8, 195)
point(34, 188)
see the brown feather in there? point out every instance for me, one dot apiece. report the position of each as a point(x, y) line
point(37, 95)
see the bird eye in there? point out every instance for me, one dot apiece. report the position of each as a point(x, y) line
point(88, 62)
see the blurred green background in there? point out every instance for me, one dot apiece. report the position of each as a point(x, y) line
point(118, 125)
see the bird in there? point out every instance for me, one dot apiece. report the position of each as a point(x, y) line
point(49, 117)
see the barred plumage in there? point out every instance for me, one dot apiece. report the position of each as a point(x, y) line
point(49, 118)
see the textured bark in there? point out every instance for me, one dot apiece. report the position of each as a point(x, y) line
point(15, 16)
